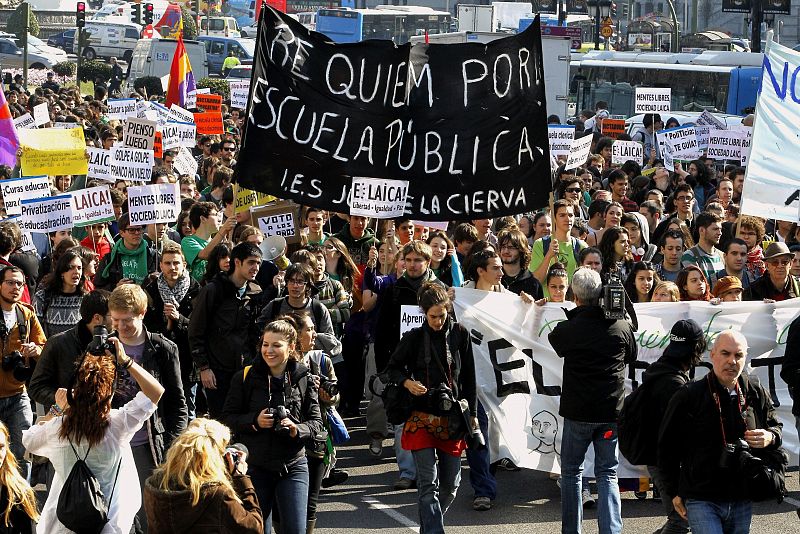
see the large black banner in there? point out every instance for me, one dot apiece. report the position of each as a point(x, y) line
point(464, 124)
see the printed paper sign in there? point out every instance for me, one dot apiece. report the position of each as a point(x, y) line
point(53, 152)
point(48, 214)
point(682, 140)
point(622, 151)
point(131, 164)
point(725, 144)
point(247, 198)
point(41, 115)
point(121, 108)
point(142, 106)
point(139, 133)
point(15, 189)
point(99, 164)
point(92, 205)
point(561, 137)
point(178, 114)
point(578, 152)
point(669, 160)
point(374, 197)
point(281, 224)
point(209, 123)
point(27, 244)
point(209, 102)
point(175, 134)
point(410, 317)
point(152, 204)
point(652, 99)
point(24, 122)
point(707, 118)
point(184, 162)
point(240, 91)
point(613, 128)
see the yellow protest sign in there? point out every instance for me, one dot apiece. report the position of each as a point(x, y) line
point(247, 198)
point(53, 151)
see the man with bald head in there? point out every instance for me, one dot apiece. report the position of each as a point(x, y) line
point(722, 408)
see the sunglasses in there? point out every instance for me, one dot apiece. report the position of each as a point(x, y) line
point(573, 190)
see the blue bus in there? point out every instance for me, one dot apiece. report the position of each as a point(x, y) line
point(725, 82)
point(394, 23)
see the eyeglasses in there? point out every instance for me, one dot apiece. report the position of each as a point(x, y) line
point(684, 199)
point(573, 190)
point(296, 282)
point(134, 230)
point(14, 283)
point(228, 148)
point(782, 263)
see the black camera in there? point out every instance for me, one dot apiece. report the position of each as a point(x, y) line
point(613, 299)
point(474, 436)
point(15, 362)
point(99, 343)
point(442, 398)
point(279, 413)
point(737, 455)
point(331, 387)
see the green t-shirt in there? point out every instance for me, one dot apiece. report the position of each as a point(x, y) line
point(192, 245)
point(566, 255)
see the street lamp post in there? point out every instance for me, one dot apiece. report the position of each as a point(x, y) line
point(602, 8)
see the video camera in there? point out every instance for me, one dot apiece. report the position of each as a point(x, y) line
point(615, 302)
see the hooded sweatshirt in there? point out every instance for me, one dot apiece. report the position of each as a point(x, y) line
point(358, 248)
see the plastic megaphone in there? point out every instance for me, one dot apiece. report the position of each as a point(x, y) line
point(273, 248)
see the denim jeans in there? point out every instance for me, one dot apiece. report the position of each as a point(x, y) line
point(16, 413)
point(190, 393)
point(480, 477)
point(707, 517)
point(675, 523)
point(215, 398)
point(574, 443)
point(438, 475)
point(289, 493)
point(143, 460)
point(405, 461)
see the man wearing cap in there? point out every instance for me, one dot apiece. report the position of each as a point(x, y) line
point(662, 379)
point(777, 283)
point(130, 261)
point(51, 83)
point(728, 289)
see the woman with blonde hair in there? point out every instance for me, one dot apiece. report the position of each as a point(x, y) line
point(17, 500)
point(200, 468)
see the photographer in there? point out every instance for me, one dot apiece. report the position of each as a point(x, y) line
point(273, 407)
point(203, 485)
point(595, 351)
point(434, 363)
point(709, 436)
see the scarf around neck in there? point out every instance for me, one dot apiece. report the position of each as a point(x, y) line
point(133, 262)
point(174, 294)
point(755, 261)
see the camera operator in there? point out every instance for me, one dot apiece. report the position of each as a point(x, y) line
point(22, 340)
point(434, 363)
point(709, 435)
point(596, 350)
point(203, 485)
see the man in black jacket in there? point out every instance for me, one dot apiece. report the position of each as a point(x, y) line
point(516, 255)
point(595, 351)
point(722, 408)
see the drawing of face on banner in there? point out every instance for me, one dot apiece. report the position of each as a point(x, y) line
point(544, 430)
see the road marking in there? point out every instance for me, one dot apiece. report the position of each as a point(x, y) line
point(793, 502)
point(394, 514)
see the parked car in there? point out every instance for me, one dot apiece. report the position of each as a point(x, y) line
point(110, 38)
point(11, 56)
point(62, 40)
point(222, 26)
point(217, 49)
point(34, 43)
point(249, 31)
point(242, 72)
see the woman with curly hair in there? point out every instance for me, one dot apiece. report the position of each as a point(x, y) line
point(82, 425)
point(18, 506)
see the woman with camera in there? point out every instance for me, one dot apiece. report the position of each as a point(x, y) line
point(201, 468)
point(87, 427)
point(274, 409)
point(434, 363)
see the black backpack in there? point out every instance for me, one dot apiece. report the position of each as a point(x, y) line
point(638, 441)
point(82, 507)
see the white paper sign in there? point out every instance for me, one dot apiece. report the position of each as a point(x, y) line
point(139, 133)
point(41, 115)
point(560, 137)
point(92, 205)
point(652, 99)
point(240, 91)
point(725, 144)
point(184, 162)
point(410, 317)
point(99, 164)
point(15, 189)
point(578, 152)
point(703, 132)
point(162, 113)
point(622, 151)
point(48, 214)
point(747, 143)
point(142, 106)
point(65, 125)
point(669, 160)
point(152, 204)
point(131, 164)
point(706, 118)
point(281, 224)
point(121, 108)
point(27, 244)
point(178, 114)
point(376, 197)
point(175, 134)
point(24, 122)
point(682, 140)
point(191, 97)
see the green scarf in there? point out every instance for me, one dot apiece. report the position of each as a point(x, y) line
point(133, 262)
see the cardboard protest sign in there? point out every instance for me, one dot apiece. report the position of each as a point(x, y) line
point(707, 118)
point(747, 143)
point(247, 198)
point(578, 152)
point(178, 114)
point(48, 214)
point(121, 108)
point(209, 102)
point(612, 128)
point(184, 162)
point(99, 164)
point(725, 144)
point(682, 140)
point(53, 152)
point(652, 99)
point(240, 92)
point(622, 151)
point(24, 121)
point(280, 218)
point(152, 204)
point(92, 205)
point(15, 189)
point(41, 115)
point(209, 123)
point(66, 125)
point(175, 134)
point(374, 197)
point(411, 316)
point(158, 146)
point(560, 138)
point(139, 133)
point(466, 127)
point(131, 164)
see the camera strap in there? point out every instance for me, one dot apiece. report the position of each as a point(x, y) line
point(286, 380)
point(428, 350)
point(740, 400)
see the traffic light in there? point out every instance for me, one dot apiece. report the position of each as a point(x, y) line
point(148, 13)
point(136, 13)
point(80, 15)
point(613, 11)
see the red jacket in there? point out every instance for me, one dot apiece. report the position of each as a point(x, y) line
point(100, 246)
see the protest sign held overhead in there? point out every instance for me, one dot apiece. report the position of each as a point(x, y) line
point(184, 162)
point(652, 99)
point(560, 137)
point(725, 144)
point(121, 108)
point(99, 164)
point(622, 151)
point(24, 121)
point(16, 189)
point(53, 152)
point(247, 198)
point(681, 140)
point(240, 92)
point(151, 204)
point(613, 128)
point(465, 125)
point(706, 118)
point(209, 123)
point(175, 134)
point(48, 214)
point(139, 133)
point(373, 197)
point(92, 205)
point(209, 102)
point(178, 114)
point(131, 164)
point(578, 152)
point(41, 115)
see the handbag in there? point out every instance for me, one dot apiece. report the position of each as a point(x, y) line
point(336, 427)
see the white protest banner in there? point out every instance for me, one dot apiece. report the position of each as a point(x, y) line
point(152, 204)
point(707, 118)
point(519, 376)
point(191, 97)
point(682, 140)
point(184, 162)
point(92, 205)
point(281, 224)
point(725, 144)
point(178, 114)
point(175, 134)
point(48, 214)
point(131, 164)
point(375, 197)
point(578, 152)
point(139, 133)
point(441, 225)
point(121, 108)
point(560, 137)
point(652, 99)
point(41, 115)
point(24, 122)
point(622, 151)
point(410, 317)
point(240, 91)
point(99, 164)
point(15, 189)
